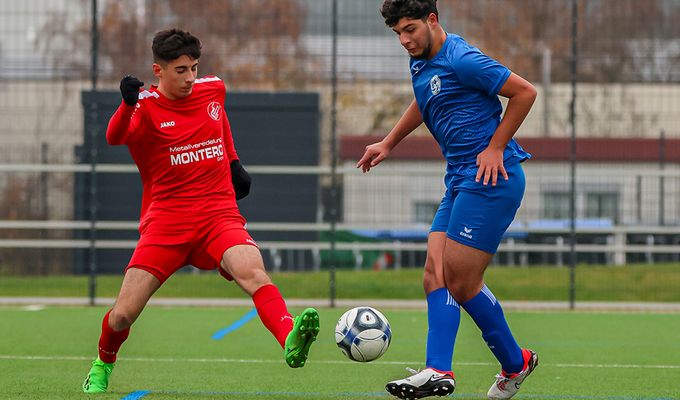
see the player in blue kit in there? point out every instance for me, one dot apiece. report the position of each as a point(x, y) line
point(456, 90)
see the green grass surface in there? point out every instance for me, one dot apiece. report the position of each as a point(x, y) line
point(593, 283)
point(45, 354)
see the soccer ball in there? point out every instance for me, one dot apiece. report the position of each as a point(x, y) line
point(363, 334)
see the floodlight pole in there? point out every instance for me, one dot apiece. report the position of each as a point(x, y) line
point(334, 152)
point(92, 111)
point(662, 178)
point(572, 175)
point(94, 50)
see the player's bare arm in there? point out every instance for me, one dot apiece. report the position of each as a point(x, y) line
point(377, 152)
point(521, 95)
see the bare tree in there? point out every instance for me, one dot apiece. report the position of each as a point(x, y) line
point(65, 43)
point(614, 35)
point(248, 42)
point(514, 32)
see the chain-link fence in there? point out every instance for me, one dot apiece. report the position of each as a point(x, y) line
point(626, 147)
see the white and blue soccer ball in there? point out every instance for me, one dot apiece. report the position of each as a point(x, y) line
point(363, 334)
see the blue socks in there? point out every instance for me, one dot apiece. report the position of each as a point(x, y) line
point(488, 315)
point(443, 319)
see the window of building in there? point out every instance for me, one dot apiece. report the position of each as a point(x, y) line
point(555, 205)
point(602, 205)
point(424, 211)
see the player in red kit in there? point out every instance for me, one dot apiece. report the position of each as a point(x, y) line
point(179, 136)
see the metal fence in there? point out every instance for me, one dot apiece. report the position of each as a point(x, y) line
point(626, 140)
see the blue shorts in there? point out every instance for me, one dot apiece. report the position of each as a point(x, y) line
point(477, 215)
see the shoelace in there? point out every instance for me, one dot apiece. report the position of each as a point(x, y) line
point(501, 381)
point(413, 372)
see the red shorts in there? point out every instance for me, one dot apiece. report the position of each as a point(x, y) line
point(164, 247)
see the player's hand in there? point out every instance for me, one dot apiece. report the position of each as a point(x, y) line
point(373, 155)
point(490, 163)
point(240, 179)
point(129, 89)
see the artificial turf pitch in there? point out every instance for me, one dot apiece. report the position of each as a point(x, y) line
point(171, 354)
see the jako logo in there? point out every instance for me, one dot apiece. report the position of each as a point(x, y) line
point(215, 110)
point(167, 124)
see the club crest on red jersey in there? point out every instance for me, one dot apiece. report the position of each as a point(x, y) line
point(215, 110)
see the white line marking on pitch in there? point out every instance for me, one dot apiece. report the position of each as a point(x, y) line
point(246, 361)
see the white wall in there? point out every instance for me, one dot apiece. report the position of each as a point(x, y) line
point(383, 196)
point(631, 110)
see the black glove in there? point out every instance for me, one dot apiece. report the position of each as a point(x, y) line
point(240, 179)
point(129, 88)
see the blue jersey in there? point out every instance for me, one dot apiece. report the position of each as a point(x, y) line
point(457, 94)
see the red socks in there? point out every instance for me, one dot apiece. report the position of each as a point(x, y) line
point(273, 312)
point(270, 307)
point(110, 341)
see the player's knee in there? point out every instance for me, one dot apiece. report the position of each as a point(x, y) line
point(461, 293)
point(461, 289)
point(252, 279)
point(121, 319)
point(432, 282)
point(433, 276)
point(430, 267)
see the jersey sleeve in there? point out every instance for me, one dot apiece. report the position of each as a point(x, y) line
point(229, 147)
point(478, 71)
point(123, 125)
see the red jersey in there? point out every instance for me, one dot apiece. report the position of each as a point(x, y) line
point(182, 149)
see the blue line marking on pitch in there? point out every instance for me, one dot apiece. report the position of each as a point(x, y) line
point(223, 332)
point(136, 395)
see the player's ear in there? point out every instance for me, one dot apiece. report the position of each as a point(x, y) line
point(432, 19)
point(157, 70)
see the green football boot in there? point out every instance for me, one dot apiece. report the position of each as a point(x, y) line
point(299, 340)
point(98, 378)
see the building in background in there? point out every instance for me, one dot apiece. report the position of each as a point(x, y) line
point(627, 106)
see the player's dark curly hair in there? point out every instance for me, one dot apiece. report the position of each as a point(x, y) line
point(173, 43)
point(394, 10)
